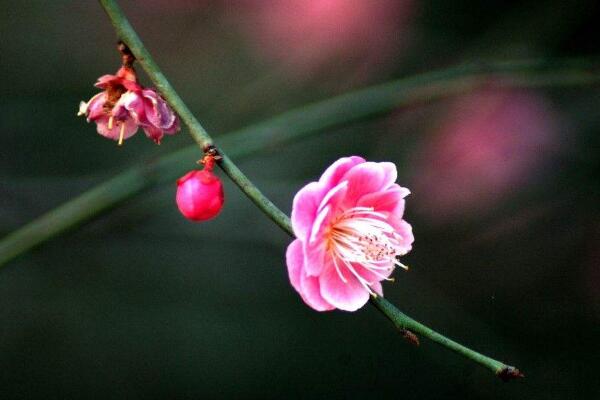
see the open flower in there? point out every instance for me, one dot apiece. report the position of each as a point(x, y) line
point(349, 231)
point(124, 106)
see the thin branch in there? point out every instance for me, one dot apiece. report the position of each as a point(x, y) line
point(403, 322)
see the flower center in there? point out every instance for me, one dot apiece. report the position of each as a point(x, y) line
point(362, 236)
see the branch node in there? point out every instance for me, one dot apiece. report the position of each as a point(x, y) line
point(410, 337)
point(509, 373)
point(127, 57)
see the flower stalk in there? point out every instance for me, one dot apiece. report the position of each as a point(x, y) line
point(130, 37)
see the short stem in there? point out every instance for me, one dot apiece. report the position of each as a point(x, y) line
point(256, 196)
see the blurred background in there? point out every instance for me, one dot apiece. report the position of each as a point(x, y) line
point(141, 303)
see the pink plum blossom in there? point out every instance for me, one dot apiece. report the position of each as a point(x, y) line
point(305, 35)
point(349, 232)
point(124, 105)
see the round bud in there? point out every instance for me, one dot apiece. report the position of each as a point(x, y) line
point(199, 195)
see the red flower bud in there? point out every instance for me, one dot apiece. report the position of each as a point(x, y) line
point(200, 195)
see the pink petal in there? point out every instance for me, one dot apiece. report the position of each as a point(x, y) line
point(95, 107)
point(334, 196)
point(174, 128)
point(311, 293)
point(130, 85)
point(153, 133)
point(114, 133)
point(390, 200)
point(372, 277)
point(158, 111)
point(130, 103)
point(404, 229)
point(376, 287)
point(295, 261)
point(333, 175)
point(314, 248)
point(363, 179)
point(304, 209)
point(349, 295)
point(315, 254)
point(105, 80)
point(390, 174)
point(307, 287)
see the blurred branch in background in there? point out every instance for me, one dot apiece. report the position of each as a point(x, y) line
point(301, 123)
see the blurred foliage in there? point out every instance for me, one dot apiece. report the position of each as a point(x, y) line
point(141, 303)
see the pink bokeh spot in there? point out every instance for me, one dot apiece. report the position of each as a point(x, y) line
point(490, 144)
point(350, 232)
point(305, 35)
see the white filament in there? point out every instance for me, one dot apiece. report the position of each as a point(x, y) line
point(363, 236)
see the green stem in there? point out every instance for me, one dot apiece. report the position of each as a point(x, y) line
point(404, 322)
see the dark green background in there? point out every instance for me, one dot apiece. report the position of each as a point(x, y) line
point(140, 303)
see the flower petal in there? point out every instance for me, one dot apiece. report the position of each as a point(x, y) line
point(314, 260)
point(130, 103)
point(390, 200)
point(95, 107)
point(158, 111)
point(311, 293)
point(105, 80)
point(404, 229)
point(114, 133)
point(154, 133)
point(363, 179)
point(314, 247)
point(377, 276)
point(295, 261)
point(307, 287)
point(333, 175)
point(304, 209)
point(174, 128)
point(376, 287)
point(349, 295)
point(390, 173)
